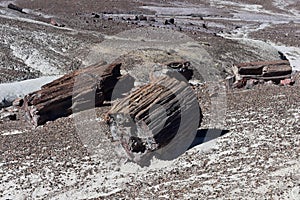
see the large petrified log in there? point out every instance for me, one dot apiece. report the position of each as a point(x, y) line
point(79, 90)
point(266, 70)
point(153, 115)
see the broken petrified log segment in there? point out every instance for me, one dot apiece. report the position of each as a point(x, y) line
point(79, 90)
point(176, 69)
point(277, 70)
point(268, 70)
point(155, 116)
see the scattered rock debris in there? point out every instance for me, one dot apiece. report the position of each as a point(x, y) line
point(9, 113)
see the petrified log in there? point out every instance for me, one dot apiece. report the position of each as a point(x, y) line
point(266, 71)
point(153, 115)
point(79, 90)
point(15, 7)
point(279, 68)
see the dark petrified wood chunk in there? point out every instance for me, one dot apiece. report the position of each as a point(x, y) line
point(153, 115)
point(15, 7)
point(79, 90)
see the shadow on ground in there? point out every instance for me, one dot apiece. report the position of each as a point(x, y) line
point(206, 135)
point(202, 136)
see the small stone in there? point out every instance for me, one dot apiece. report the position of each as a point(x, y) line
point(229, 81)
point(269, 83)
point(172, 21)
point(287, 81)
point(196, 83)
point(152, 19)
point(8, 116)
point(250, 83)
point(18, 102)
point(96, 16)
point(5, 103)
point(240, 83)
point(53, 22)
point(141, 18)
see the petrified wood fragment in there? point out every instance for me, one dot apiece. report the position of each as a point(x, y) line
point(266, 70)
point(277, 70)
point(181, 67)
point(79, 90)
point(15, 7)
point(153, 115)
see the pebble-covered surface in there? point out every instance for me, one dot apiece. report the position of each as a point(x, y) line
point(258, 157)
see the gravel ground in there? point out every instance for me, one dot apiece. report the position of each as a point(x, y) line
point(257, 156)
point(257, 159)
point(284, 34)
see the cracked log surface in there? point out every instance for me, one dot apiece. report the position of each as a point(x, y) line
point(265, 70)
point(152, 116)
point(79, 90)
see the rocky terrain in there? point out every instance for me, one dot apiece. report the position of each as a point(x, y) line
point(247, 147)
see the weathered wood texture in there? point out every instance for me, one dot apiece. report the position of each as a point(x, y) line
point(269, 70)
point(150, 117)
point(79, 90)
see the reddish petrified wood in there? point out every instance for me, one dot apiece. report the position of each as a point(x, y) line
point(79, 90)
point(151, 116)
point(266, 70)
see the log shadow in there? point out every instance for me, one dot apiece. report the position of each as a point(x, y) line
point(206, 135)
point(202, 136)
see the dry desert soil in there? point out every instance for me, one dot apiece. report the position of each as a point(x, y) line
point(248, 146)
